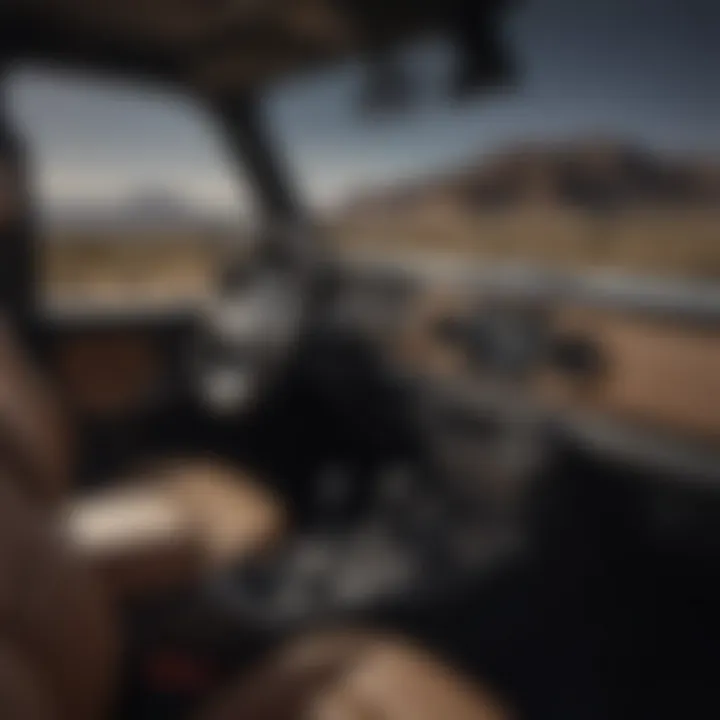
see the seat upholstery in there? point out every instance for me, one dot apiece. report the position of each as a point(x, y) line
point(52, 616)
point(10, 201)
point(35, 442)
point(22, 695)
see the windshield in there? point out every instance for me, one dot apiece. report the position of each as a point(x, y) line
point(604, 153)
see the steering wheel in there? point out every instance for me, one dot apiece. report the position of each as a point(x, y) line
point(250, 326)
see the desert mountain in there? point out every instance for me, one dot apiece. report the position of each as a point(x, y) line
point(591, 175)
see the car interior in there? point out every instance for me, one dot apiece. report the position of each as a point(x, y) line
point(340, 489)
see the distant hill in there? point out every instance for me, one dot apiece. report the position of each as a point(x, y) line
point(587, 203)
point(151, 212)
point(597, 176)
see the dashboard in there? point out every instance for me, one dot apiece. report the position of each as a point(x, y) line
point(631, 375)
point(626, 366)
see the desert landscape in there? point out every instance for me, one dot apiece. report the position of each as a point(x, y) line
point(578, 205)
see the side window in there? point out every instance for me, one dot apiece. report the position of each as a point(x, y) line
point(132, 187)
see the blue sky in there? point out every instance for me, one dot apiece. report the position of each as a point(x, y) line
point(645, 70)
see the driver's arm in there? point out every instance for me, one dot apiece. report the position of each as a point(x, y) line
point(172, 522)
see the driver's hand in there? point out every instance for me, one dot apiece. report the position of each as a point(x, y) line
point(353, 676)
point(229, 508)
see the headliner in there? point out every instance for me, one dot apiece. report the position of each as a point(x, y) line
point(219, 46)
